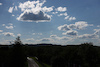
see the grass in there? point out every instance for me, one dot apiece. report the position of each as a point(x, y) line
point(40, 64)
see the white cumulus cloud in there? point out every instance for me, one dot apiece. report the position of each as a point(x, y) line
point(61, 9)
point(32, 11)
point(10, 9)
point(81, 24)
point(54, 12)
point(49, 9)
point(71, 32)
point(9, 27)
point(72, 18)
point(78, 25)
point(63, 14)
point(69, 18)
point(64, 27)
point(8, 34)
point(66, 17)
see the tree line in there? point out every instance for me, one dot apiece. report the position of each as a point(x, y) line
point(83, 55)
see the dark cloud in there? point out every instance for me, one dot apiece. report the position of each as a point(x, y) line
point(31, 17)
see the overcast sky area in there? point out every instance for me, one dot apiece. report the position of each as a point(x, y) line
point(50, 21)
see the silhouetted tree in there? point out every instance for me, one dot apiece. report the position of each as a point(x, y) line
point(17, 41)
point(18, 57)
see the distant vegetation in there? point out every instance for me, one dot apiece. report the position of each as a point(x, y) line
point(83, 55)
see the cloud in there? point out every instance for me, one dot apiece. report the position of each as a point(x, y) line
point(46, 39)
point(0, 3)
point(98, 25)
point(9, 27)
point(49, 9)
point(8, 34)
point(69, 18)
point(30, 39)
point(72, 18)
point(13, 15)
point(54, 12)
point(3, 24)
point(33, 33)
point(91, 36)
point(66, 17)
point(15, 8)
point(63, 14)
point(66, 38)
point(53, 36)
point(34, 12)
point(36, 5)
point(71, 32)
point(64, 27)
point(78, 25)
point(1, 30)
point(18, 34)
point(61, 9)
point(81, 24)
point(30, 17)
point(10, 9)
point(72, 26)
point(60, 38)
point(96, 31)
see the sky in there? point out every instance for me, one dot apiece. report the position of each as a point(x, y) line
point(64, 22)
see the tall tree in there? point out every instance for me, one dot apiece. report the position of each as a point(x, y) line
point(18, 57)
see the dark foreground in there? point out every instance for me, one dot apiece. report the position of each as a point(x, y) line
point(31, 62)
point(83, 55)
